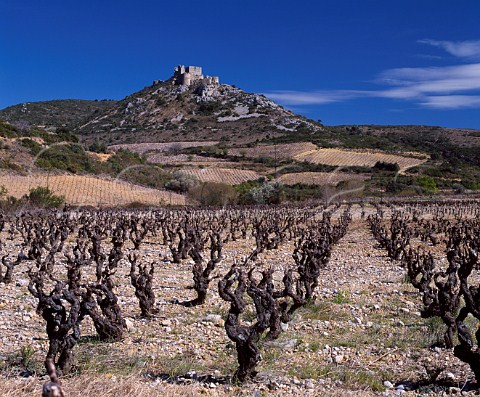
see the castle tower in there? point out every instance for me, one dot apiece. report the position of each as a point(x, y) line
point(187, 79)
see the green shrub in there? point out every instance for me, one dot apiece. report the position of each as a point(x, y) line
point(267, 193)
point(146, 175)
point(68, 157)
point(213, 194)
point(395, 186)
point(124, 158)
point(9, 203)
point(43, 197)
point(9, 165)
point(98, 147)
point(458, 188)
point(384, 166)
point(243, 190)
point(7, 130)
point(33, 146)
point(64, 135)
point(181, 183)
point(302, 192)
point(207, 108)
point(427, 183)
point(471, 184)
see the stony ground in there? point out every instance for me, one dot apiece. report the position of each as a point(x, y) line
point(363, 336)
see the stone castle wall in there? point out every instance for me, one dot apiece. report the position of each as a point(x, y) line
point(187, 75)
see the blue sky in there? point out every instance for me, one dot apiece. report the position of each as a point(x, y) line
point(342, 61)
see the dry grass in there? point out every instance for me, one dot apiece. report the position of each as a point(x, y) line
point(133, 386)
point(95, 385)
point(320, 178)
point(88, 190)
point(339, 157)
point(222, 175)
point(102, 157)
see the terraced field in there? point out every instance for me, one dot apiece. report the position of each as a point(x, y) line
point(88, 190)
point(162, 158)
point(221, 175)
point(281, 152)
point(320, 178)
point(340, 157)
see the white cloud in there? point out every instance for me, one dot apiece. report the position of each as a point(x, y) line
point(312, 97)
point(429, 87)
point(461, 49)
point(451, 101)
point(416, 82)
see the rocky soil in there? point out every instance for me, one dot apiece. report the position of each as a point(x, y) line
point(362, 337)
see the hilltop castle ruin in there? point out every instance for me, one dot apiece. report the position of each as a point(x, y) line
point(186, 75)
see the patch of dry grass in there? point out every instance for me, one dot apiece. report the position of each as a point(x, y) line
point(105, 386)
point(97, 385)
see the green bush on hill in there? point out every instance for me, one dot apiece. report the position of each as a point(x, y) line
point(302, 192)
point(33, 146)
point(9, 165)
point(68, 157)
point(181, 183)
point(207, 108)
point(427, 183)
point(213, 194)
point(64, 135)
point(384, 166)
point(260, 192)
point(471, 184)
point(43, 197)
point(7, 130)
point(147, 175)
point(123, 159)
point(98, 147)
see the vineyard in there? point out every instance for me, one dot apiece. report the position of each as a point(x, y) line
point(162, 158)
point(143, 148)
point(221, 175)
point(89, 190)
point(360, 300)
point(339, 157)
point(320, 178)
point(281, 151)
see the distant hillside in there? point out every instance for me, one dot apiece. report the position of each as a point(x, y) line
point(58, 113)
point(165, 112)
point(36, 157)
point(414, 134)
point(190, 129)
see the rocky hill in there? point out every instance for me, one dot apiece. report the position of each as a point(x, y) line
point(193, 109)
point(165, 112)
